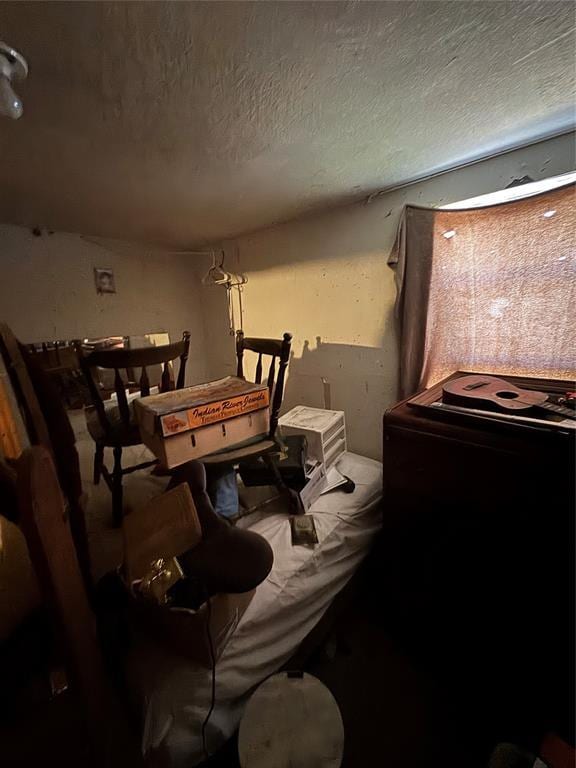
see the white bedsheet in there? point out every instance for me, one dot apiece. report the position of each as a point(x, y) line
point(294, 597)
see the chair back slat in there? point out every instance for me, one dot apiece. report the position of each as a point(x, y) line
point(240, 354)
point(144, 382)
point(120, 389)
point(276, 348)
point(130, 359)
point(271, 374)
point(167, 381)
point(259, 369)
point(183, 360)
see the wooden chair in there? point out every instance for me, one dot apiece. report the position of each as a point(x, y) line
point(46, 423)
point(60, 361)
point(276, 349)
point(265, 448)
point(114, 426)
point(44, 521)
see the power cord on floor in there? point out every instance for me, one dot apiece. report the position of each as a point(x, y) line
point(213, 663)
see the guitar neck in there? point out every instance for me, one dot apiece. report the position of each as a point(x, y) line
point(568, 413)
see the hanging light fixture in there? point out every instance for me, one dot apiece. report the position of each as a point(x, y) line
point(13, 67)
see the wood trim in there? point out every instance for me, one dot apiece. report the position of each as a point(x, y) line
point(23, 388)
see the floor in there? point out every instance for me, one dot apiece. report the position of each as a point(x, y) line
point(140, 487)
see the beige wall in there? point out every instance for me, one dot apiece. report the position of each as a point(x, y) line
point(47, 291)
point(325, 279)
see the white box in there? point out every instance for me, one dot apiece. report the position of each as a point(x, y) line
point(325, 431)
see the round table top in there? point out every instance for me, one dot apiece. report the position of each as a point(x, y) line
point(291, 721)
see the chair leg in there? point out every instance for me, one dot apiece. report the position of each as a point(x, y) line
point(98, 461)
point(292, 497)
point(117, 486)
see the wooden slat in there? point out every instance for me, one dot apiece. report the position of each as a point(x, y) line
point(240, 354)
point(264, 346)
point(23, 389)
point(135, 358)
point(259, 369)
point(44, 521)
point(183, 360)
point(123, 406)
point(167, 382)
point(279, 390)
point(272, 374)
point(144, 382)
point(10, 446)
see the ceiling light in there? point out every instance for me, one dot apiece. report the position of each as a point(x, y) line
point(13, 67)
point(449, 234)
point(549, 214)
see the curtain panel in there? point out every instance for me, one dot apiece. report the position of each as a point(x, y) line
point(487, 289)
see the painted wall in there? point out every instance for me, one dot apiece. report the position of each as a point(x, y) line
point(47, 291)
point(325, 279)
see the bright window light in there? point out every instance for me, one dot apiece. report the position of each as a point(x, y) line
point(514, 193)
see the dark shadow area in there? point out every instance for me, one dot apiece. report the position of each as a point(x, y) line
point(394, 712)
point(360, 380)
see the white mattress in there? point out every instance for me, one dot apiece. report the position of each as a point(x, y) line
point(302, 584)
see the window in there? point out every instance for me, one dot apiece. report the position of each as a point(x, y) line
point(489, 289)
point(503, 289)
point(513, 193)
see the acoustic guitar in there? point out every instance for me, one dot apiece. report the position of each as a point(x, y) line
point(491, 393)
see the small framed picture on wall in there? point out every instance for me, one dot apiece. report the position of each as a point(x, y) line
point(104, 279)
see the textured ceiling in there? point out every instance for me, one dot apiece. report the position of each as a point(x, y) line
point(182, 123)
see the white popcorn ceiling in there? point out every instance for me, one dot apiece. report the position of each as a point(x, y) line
point(183, 123)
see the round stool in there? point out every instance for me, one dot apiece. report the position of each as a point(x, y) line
point(291, 721)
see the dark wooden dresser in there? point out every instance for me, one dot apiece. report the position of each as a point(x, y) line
point(477, 564)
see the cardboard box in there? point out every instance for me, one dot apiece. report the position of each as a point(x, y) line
point(192, 407)
point(183, 447)
point(190, 423)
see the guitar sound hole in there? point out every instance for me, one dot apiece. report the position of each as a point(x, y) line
point(506, 395)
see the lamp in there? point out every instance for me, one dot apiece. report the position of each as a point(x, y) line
point(13, 66)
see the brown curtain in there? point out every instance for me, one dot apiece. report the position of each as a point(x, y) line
point(487, 289)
